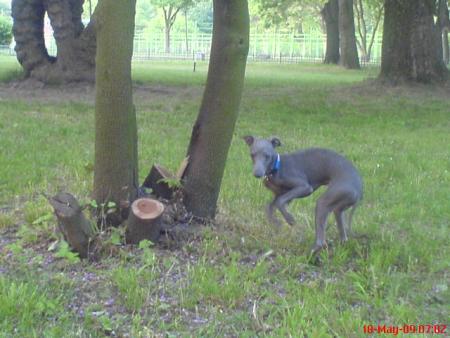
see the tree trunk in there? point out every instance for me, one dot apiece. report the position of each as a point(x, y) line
point(411, 43)
point(213, 130)
point(330, 15)
point(75, 44)
point(167, 38)
point(28, 28)
point(443, 23)
point(115, 170)
point(445, 46)
point(349, 53)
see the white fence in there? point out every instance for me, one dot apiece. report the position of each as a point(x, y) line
point(281, 48)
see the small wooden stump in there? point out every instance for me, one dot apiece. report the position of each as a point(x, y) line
point(155, 181)
point(144, 221)
point(76, 229)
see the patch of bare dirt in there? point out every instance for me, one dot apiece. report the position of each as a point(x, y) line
point(373, 88)
point(35, 91)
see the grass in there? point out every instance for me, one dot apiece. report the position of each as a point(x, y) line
point(243, 277)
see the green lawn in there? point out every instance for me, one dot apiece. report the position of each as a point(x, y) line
point(243, 277)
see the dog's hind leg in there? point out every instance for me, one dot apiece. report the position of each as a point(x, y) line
point(337, 198)
point(340, 221)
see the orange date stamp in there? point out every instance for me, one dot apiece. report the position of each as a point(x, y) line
point(438, 329)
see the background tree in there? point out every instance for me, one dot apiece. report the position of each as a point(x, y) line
point(411, 50)
point(330, 15)
point(368, 15)
point(213, 129)
point(116, 165)
point(170, 9)
point(203, 14)
point(291, 15)
point(347, 39)
point(75, 43)
point(443, 27)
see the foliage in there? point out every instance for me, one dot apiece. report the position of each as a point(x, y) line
point(295, 15)
point(66, 253)
point(5, 30)
point(172, 7)
point(202, 15)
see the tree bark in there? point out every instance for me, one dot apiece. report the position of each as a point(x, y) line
point(75, 44)
point(349, 52)
point(213, 130)
point(330, 15)
point(445, 46)
point(144, 221)
point(116, 168)
point(167, 38)
point(443, 23)
point(76, 229)
point(411, 43)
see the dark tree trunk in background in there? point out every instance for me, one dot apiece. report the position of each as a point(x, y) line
point(443, 24)
point(330, 15)
point(445, 46)
point(349, 52)
point(213, 130)
point(75, 59)
point(115, 170)
point(411, 50)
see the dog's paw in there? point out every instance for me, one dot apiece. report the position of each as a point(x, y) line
point(290, 220)
point(317, 248)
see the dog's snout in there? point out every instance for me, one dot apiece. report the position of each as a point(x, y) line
point(258, 173)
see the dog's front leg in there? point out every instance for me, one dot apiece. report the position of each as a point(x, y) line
point(303, 189)
point(269, 210)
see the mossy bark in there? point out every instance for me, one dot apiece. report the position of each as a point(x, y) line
point(213, 129)
point(347, 38)
point(330, 15)
point(75, 43)
point(411, 41)
point(116, 168)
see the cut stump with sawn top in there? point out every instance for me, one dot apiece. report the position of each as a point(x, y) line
point(144, 221)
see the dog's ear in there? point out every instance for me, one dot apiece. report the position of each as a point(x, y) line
point(275, 141)
point(249, 139)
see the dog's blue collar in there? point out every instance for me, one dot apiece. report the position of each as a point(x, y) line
point(276, 165)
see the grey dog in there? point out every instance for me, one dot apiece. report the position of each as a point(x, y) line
point(299, 174)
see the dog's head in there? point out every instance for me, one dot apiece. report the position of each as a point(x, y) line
point(263, 154)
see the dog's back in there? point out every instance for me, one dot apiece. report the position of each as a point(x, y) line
point(322, 167)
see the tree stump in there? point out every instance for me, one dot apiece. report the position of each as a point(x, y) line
point(76, 229)
point(144, 221)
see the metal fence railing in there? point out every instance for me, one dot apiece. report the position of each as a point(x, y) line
point(264, 47)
